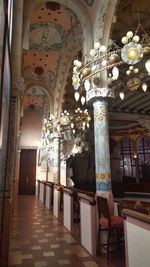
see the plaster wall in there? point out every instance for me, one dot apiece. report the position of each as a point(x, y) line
point(31, 129)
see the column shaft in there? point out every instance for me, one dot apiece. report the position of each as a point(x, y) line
point(102, 154)
point(56, 168)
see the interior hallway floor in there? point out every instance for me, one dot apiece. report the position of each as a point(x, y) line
point(39, 239)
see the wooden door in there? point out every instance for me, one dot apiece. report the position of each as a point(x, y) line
point(27, 175)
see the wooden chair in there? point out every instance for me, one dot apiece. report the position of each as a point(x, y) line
point(108, 223)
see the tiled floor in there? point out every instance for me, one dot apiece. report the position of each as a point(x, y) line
point(39, 239)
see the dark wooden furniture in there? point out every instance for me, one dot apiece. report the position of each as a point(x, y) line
point(108, 223)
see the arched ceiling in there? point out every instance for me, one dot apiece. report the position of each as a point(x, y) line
point(53, 27)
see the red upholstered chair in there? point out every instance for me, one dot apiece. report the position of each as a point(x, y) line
point(108, 223)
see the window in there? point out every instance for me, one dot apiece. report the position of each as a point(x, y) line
point(143, 147)
point(127, 163)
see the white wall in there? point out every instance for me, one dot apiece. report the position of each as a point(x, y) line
point(137, 243)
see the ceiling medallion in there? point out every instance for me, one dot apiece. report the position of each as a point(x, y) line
point(52, 6)
point(38, 70)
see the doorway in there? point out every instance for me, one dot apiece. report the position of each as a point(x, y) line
point(27, 174)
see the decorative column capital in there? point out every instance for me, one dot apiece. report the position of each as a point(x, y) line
point(18, 86)
point(95, 94)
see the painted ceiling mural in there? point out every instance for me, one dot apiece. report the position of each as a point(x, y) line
point(51, 35)
point(53, 29)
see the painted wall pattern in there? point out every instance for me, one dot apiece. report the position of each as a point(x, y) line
point(103, 175)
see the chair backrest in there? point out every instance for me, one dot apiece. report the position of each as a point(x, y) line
point(103, 208)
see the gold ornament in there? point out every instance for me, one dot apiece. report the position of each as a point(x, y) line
point(114, 59)
point(86, 72)
point(146, 50)
point(132, 53)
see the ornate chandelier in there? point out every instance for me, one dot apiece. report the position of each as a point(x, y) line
point(109, 58)
point(75, 119)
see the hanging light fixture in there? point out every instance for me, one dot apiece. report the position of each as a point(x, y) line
point(72, 125)
point(77, 96)
point(82, 100)
point(115, 73)
point(147, 66)
point(87, 85)
point(121, 94)
point(144, 87)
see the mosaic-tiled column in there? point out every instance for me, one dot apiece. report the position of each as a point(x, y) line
point(99, 98)
point(102, 154)
point(56, 157)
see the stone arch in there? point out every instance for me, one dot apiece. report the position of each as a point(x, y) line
point(48, 93)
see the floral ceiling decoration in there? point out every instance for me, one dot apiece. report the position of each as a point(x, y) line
point(46, 36)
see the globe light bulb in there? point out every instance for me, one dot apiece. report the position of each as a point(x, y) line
point(136, 70)
point(124, 40)
point(121, 94)
point(131, 68)
point(136, 39)
point(75, 62)
point(73, 131)
point(144, 87)
point(77, 96)
point(129, 34)
point(97, 45)
point(128, 72)
point(82, 100)
point(79, 64)
point(103, 48)
point(147, 66)
point(92, 52)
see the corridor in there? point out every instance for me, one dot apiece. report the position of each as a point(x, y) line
point(38, 239)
